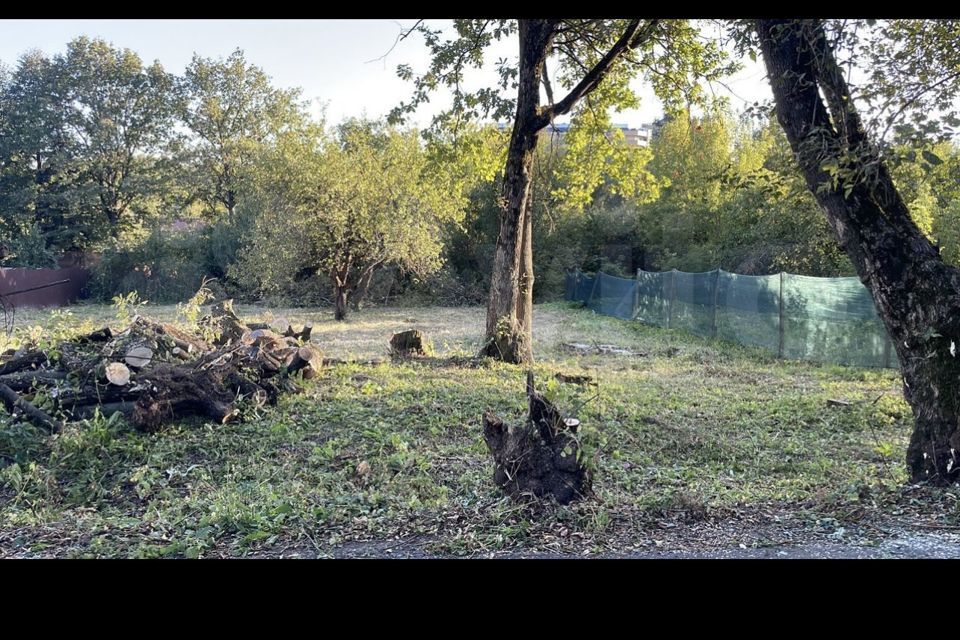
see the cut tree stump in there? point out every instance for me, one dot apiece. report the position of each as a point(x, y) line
point(138, 357)
point(541, 458)
point(117, 373)
point(409, 343)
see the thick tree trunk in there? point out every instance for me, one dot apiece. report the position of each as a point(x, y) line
point(508, 335)
point(916, 294)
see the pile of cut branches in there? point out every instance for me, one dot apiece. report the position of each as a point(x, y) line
point(154, 373)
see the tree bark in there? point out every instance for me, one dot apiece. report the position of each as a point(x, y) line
point(339, 302)
point(917, 295)
point(508, 335)
point(525, 283)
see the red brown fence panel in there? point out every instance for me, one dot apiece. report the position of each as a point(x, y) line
point(18, 279)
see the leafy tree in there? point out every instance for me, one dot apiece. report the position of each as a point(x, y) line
point(231, 109)
point(345, 207)
point(917, 294)
point(36, 158)
point(119, 115)
point(585, 54)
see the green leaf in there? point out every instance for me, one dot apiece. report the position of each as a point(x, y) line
point(931, 157)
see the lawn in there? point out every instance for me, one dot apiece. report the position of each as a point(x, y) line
point(697, 445)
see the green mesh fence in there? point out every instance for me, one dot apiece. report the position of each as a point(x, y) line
point(800, 317)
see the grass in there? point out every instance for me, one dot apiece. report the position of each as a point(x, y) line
point(693, 436)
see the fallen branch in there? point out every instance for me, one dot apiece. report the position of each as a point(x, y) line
point(13, 403)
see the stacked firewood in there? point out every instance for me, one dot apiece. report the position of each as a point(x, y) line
point(154, 373)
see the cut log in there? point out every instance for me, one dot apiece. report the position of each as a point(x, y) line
point(106, 409)
point(100, 335)
point(282, 326)
point(117, 373)
point(138, 357)
point(14, 403)
point(23, 362)
point(541, 458)
point(179, 391)
point(307, 360)
point(26, 379)
point(304, 335)
point(409, 343)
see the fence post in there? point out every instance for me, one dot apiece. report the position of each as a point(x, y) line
point(596, 283)
point(886, 350)
point(673, 297)
point(713, 309)
point(636, 296)
point(780, 347)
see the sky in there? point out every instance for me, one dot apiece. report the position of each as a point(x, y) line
point(339, 64)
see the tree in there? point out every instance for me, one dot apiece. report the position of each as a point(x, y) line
point(345, 207)
point(119, 114)
point(36, 159)
point(232, 109)
point(917, 294)
point(587, 53)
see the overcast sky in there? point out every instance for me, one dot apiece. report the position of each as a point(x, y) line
point(335, 62)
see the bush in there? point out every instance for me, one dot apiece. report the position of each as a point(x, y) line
point(168, 266)
point(29, 250)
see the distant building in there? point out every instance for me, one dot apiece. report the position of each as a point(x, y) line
point(641, 136)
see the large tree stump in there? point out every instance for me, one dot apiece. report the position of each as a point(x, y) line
point(409, 343)
point(540, 458)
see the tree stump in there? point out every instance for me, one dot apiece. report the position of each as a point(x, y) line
point(540, 458)
point(409, 343)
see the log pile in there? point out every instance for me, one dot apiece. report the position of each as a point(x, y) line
point(153, 372)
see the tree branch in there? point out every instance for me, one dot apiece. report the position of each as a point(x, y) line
point(632, 36)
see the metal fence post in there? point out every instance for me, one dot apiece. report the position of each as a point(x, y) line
point(886, 350)
point(596, 283)
point(780, 347)
point(713, 308)
point(636, 296)
point(673, 297)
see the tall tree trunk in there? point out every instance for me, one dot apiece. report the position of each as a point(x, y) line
point(525, 283)
point(508, 328)
point(917, 295)
point(340, 294)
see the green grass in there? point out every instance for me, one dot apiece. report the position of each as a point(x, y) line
point(692, 430)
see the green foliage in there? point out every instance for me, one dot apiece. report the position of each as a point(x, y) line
point(169, 265)
point(29, 250)
point(594, 155)
point(123, 304)
point(345, 206)
point(232, 110)
point(189, 312)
